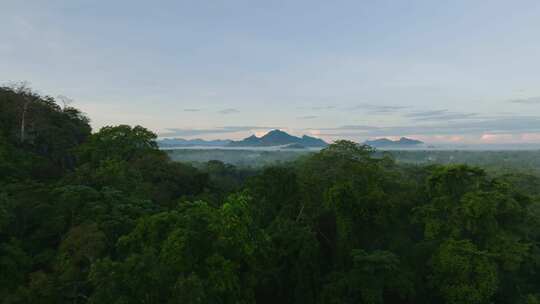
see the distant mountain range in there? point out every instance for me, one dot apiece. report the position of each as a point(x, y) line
point(271, 139)
point(180, 142)
point(387, 143)
point(279, 138)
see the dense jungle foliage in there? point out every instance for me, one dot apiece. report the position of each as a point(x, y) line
point(107, 217)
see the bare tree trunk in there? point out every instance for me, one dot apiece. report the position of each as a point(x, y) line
point(24, 90)
point(23, 122)
point(300, 213)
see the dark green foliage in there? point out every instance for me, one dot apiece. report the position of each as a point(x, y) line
point(109, 218)
point(195, 254)
point(39, 125)
point(117, 143)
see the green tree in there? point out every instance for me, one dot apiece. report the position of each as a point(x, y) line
point(117, 143)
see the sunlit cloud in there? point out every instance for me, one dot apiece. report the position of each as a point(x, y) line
point(531, 137)
point(497, 138)
point(261, 133)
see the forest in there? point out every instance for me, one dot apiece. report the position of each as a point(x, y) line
point(105, 216)
point(493, 161)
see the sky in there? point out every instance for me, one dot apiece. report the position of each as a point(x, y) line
point(462, 71)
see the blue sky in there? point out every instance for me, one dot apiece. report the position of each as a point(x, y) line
point(442, 71)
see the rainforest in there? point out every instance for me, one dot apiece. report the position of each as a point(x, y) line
point(105, 216)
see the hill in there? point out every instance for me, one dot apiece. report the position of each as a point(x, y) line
point(278, 138)
point(387, 143)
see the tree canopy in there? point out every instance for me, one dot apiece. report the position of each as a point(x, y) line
point(107, 217)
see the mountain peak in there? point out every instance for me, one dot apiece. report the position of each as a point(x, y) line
point(276, 131)
point(278, 138)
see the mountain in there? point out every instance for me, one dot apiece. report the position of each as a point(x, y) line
point(180, 142)
point(272, 138)
point(278, 138)
point(387, 143)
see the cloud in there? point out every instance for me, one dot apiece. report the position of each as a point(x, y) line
point(378, 109)
point(494, 138)
point(492, 125)
point(179, 132)
point(528, 101)
point(316, 108)
point(308, 117)
point(530, 137)
point(427, 113)
point(439, 115)
point(192, 110)
point(357, 127)
point(228, 111)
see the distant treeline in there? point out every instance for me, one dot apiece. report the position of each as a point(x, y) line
point(109, 218)
point(495, 162)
